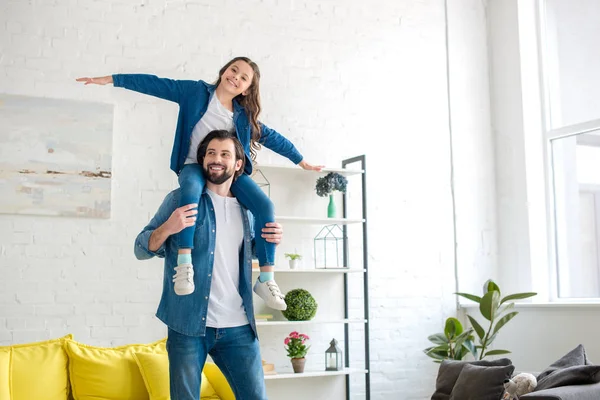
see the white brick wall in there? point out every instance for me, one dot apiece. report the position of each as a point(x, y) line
point(340, 78)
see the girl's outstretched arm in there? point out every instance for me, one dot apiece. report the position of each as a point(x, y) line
point(102, 80)
point(164, 88)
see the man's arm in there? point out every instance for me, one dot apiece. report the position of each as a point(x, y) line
point(181, 218)
point(167, 221)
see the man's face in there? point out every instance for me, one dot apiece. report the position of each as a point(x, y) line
point(219, 162)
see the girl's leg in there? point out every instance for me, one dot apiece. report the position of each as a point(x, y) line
point(250, 195)
point(191, 184)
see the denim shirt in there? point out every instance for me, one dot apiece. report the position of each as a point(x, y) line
point(187, 314)
point(193, 98)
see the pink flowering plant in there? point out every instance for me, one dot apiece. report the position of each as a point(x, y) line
point(295, 345)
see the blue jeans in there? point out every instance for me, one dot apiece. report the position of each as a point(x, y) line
point(234, 350)
point(248, 193)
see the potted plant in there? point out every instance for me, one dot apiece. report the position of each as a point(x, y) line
point(497, 310)
point(452, 344)
point(295, 345)
point(328, 184)
point(301, 306)
point(294, 259)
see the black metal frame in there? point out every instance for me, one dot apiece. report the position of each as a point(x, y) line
point(363, 166)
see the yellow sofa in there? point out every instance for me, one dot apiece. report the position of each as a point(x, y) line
point(62, 369)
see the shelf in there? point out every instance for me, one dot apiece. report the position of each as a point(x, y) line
point(316, 271)
point(312, 322)
point(312, 374)
point(295, 168)
point(319, 221)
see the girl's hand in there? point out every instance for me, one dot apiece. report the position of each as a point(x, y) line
point(304, 165)
point(183, 217)
point(102, 80)
point(272, 232)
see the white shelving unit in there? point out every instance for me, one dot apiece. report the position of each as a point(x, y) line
point(312, 322)
point(318, 221)
point(289, 170)
point(317, 271)
point(265, 168)
point(313, 374)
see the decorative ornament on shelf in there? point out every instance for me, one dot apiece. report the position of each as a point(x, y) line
point(301, 306)
point(328, 184)
point(294, 259)
point(333, 357)
point(329, 247)
point(295, 345)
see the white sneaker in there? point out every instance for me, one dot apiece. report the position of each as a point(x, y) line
point(270, 293)
point(184, 279)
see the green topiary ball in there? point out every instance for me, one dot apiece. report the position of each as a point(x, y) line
point(301, 306)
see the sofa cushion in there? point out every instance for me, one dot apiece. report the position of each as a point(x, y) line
point(577, 356)
point(5, 373)
point(218, 381)
point(155, 372)
point(573, 368)
point(450, 371)
point(108, 372)
point(47, 362)
point(477, 382)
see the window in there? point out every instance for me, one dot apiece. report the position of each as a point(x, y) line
point(571, 84)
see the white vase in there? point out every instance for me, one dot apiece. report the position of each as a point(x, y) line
point(294, 264)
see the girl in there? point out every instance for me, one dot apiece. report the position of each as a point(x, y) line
point(232, 103)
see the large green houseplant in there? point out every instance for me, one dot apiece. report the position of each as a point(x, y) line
point(455, 343)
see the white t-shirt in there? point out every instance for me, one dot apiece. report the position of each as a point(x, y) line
point(215, 117)
point(225, 306)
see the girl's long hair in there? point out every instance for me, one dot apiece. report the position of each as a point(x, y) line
point(250, 102)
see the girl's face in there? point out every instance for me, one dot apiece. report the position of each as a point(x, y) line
point(237, 78)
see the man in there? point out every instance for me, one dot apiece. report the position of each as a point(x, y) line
point(222, 315)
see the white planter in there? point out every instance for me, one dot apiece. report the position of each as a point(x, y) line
point(294, 264)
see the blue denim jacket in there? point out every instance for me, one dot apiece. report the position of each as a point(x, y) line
point(187, 314)
point(193, 98)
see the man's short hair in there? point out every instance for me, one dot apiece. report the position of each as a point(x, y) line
point(221, 135)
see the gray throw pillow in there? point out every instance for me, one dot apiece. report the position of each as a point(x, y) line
point(481, 383)
point(573, 368)
point(576, 356)
point(450, 371)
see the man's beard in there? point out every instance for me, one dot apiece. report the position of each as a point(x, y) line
point(217, 178)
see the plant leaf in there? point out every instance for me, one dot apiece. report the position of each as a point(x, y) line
point(478, 329)
point(469, 346)
point(476, 299)
point(518, 296)
point(489, 305)
point(436, 353)
point(461, 338)
point(490, 286)
point(453, 328)
point(504, 320)
point(505, 308)
point(496, 352)
point(438, 338)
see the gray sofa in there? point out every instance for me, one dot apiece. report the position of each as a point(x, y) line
point(569, 378)
point(574, 392)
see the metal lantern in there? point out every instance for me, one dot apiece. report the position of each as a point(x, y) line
point(333, 357)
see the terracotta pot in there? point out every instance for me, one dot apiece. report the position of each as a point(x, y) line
point(298, 364)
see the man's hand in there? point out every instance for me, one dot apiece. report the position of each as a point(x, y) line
point(304, 165)
point(101, 80)
point(272, 232)
point(179, 220)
